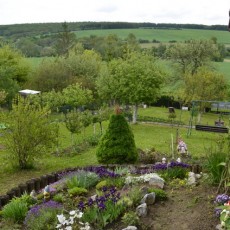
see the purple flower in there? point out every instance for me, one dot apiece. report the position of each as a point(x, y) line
point(218, 211)
point(81, 206)
point(222, 198)
point(101, 205)
point(90, 202)
point(36, 209)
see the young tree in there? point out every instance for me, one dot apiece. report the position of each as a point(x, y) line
point(117, 145)
point(29, 132)
point(134, 80)
point(73, 123)
point(204, 85)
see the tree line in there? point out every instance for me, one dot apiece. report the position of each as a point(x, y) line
point(33, 29)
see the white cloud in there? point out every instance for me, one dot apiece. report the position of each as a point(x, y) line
point(158, 11)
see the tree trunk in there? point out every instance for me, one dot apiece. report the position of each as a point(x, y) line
point(135, 107)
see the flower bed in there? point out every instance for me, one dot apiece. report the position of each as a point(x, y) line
point(92, 197)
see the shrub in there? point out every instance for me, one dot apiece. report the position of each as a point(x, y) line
point(101, 184)
point(131, 218)
point(93, 140)
point(18, 207)
point(117, 144)
point(58, 198)
point(135, 195)
point(116, 181)
point(148, 156)
point(77, 191)
point(15, 210)
point(160, 194)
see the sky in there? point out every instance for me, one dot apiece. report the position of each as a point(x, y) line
point(206, 12)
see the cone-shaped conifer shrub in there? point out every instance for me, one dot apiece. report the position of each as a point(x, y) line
point(117, 145)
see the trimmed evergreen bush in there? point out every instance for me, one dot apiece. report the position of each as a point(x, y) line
point(117, 145)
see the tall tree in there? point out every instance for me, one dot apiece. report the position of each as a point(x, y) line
point(66, 40)
point(191, 55)
point(13, 71)
point(135, 80)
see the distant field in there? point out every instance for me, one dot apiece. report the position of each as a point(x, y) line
point(162, 35)
point(224, 68)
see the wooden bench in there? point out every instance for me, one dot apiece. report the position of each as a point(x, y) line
point(208, 128)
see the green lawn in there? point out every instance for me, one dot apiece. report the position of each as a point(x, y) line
point(146, 136)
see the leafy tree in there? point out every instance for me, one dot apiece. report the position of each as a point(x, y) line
point(75, 95)
point(135, 80)
point(117, 145)
point(191, 55)
point(205, 85)
point(29, 132)
point(84, 66)
point(13, 71)
point(73, 123)
point(51, 74)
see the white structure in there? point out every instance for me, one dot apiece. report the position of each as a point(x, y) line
point(27, 92)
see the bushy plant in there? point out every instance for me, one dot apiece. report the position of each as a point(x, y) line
point(43, 216)
point(213, 165)
point(131, 218)
point(77, 191)
point(82, 179)
point(93, 140)
point(18, 207)
point(159, 193)
point(116, 181)
point(15, 210)
point(147, 156)
point(135, 195)
point(101, 184)
point(117, 145)
point(58, 198)
point(121, 170)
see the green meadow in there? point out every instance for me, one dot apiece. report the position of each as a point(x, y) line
point(162, 35)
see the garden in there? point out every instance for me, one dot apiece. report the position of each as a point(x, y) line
point(150, 190)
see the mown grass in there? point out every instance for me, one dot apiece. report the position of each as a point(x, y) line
point(146, 135)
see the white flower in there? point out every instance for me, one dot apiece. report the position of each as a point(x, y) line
point(68, 228)
point(86, 227)
point(222, 223)
point(79, 214)
point(61, 219)
point(73, 212)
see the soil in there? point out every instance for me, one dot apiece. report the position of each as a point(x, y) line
point(185, 209)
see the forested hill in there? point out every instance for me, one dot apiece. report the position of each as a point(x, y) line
point(20, 30)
